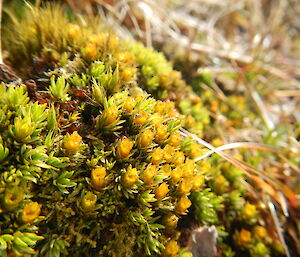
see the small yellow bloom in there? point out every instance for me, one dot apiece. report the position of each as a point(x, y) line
point(128, 74)
point(159, 107)
point(89, 201)
point(249, 211)
point(174, 139)
point(130, 177)
point(220, 184)
point(260, 232)
point(171, 249)
point(189, 121)
point(184, 187)
point(244, 237)
point(188, 168)
point(110, 115)
point(168, 153)
point(170, 221)
point(129, 104)
point(166, 170)
point(73, 30)
point(98, 178)
point(30, 212)
point(176, 174)
point(161, 191)
point(90, 51)
point(124, 148)
point(124, 57)
point(72, 142)
point(161, 132)
point(148, 174)
point(183, 204)
point(198, 181)
point(178, 158)
point(157, 156)
point(145, 138)
point(140, 118)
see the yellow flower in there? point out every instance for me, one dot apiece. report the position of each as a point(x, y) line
point(110, 115)
point(183, 204)
point(12, 197)
point(161, 191)
point(129, 104)
point(249, 211)
point(145, 139)
point(174, 139)
point(140, 118)
point(166, 170)
point(128, 74)
point(170, 221)
point(188, 168)
point(176, 174)
point(90, 51)
point(72, 142)
point(30, 212)
point(130, 177)
point(178, 158)
point(184, 187)
point(171, 248)
point(73, 30)
point(124, 148)
point(89, 201)
point(220, 184)
point(260, 232)
point(198, 181)
point(148, 174)
point(161, 132)
point(157, 156)
point(244, 237)
point(98, 178)
point(124, 57)
point(189, 121)
point(168, 153)
point(159, 107)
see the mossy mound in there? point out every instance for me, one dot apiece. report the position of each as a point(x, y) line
point(94, 155)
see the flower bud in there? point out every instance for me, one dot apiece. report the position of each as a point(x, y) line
point(88, 202)
point(198, 181)
point(168, 153)
point(130, 177)
point(90, 51)
point(260, 232)
point(98, 178)
point(124, 148)
point(128, 74)
point(161, 133)
point(176, 174)
point(145, 138)
point(148, 174)
point(170, 221)
point(188, 168)
point(161, 191)
point(12, 197)
point(183, 204)
point(244, 237)
point(249, 211)
point(171, 248)
point(129, 104)
point(22, 129)
point(184, 187)
point(178, 158)
point(157, 156)
point(140, 118)
point(30, 212)
point(174, 139)
point(109, 115)
point(72, 142)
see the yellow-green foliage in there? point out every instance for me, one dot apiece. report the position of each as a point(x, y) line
point(92, 161)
